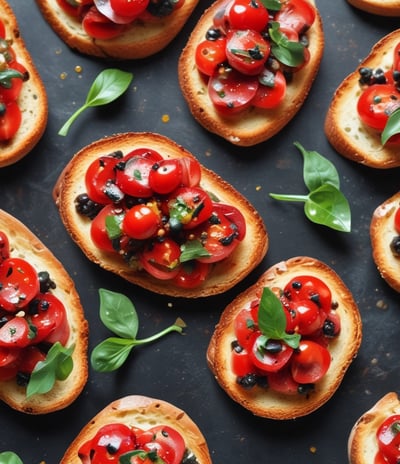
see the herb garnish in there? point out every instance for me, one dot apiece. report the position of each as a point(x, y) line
point(325, 204)
point(143, 455)
point(392, 126)
point(288, 52)
point(8, 457)
point(275, 5)
point(57, 366)
point(107, 87)
point(119, 315)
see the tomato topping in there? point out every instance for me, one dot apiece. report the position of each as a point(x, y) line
point(245, 327)
point(161, 259)
point(189, 207)
point(191, 274)
point(271, 91)
point(296, 14)
point(282, 381)
point(245, 14)
point(309, 316)
point(191, 172)
point(241, 364)
point(168, 443)
point(130, 8)
point(2, 30)
point(310, 362)
point(268, 355)
point(10, 119)
point(100, 180)
point(397, 220)
point(16, 333)
point(141, 222)
point(210, 54)
point(388, 437)
point(9, 356)
point(4, 247)
point(133, 175)
point(99, 26)
point(31, 356)
point(165, 176)
point(98, 227)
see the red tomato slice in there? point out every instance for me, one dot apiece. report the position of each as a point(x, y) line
point(12, 93)
point(2, 30)
point(389, 439)
point(245, 326)
point(189, 207)
point(397, 221)
point(244, 15)
point(210, 54)
point(16, 333)
point(310, 362)
point(282, 382)
point(30, 356)
point(165, 176)
point(9, 356)
point(100, 180)
point(191, 274)
point(309, 317)
point(10, 119)
point(191, 172)
point(168, 443)
point(269, 360)
point(231, 92)
point(141, 222)
point(296, 14)
point(269, 96)
point(98, 26)
point(98, 229)
point(235, 217)
point(9, 372)
point(241, 364)
point(68, 8)
point(19, 283)
point(133, 177)
point(4, 247)
point(161, 259)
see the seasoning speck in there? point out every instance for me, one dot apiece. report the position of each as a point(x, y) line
point(258, 188)
point(165, 118)
point(63, 75)
point(313, 449)
point(78, 68)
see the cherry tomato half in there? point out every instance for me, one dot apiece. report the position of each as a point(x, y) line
point(4, 247)
point(244, 327)
point(270, 95)
point(191, 172)
point(245, 14)
point(161, 259)
point(2, 30)
point(98, 228)
point(12, 93)
point(388, 437)
point(98, 26)
point(297, 14)
point(270, 356)
point(16, 333)
point(210, 54)
point(130, 8)
point(165, 176)
point(132, 175)
point(397, 220)
point(19, 283)
point(189, 207)
point(141, 222)
point(168, 443)
point(310, 362)
point(10, 119)
point(191, 274)
point(241, 364)
point(283, 382)
point(309, 317)
point(31, 355)
point(100, 180)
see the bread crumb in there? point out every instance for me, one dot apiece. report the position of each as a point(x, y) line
point(313, 449)
point(380, 304)
point(258, 188)
point(63, 75)
point(165, 118)
point(78, 69)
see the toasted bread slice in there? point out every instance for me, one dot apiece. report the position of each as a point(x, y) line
point(254, 125)
point(344, 129)
point(378, 7)
point(140, 40)
point(382, 232)
point(32, 100)
point(24, 244)
point(362, 443)
point(267, 403)
point(225, 274)
point(142, 412)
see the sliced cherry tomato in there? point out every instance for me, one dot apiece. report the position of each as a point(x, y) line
point(130, 8)
point(30, 357)
point(132, 175)
point(98, 228)
point(309, 316)
point(245, 327)
point(191, 172)
point(296, 14)
point(388, 437)
point(9, 356)
point(100, 180)
point(231, 92)
point(2, 30)
point(19, 283)
point(98, 26)
point(9, 372)
point(189, 207)
point(50, 319)
point(310, 362)
point(191, 274)
point(165, 176)
point(376, 103)
point(235, 217)
point(8, 94)
point(68, 8)
point(168, 443)
point(16, 333)
point(380, 459)
point(271, 91)
point(109, 443)
point(141, 222)
point(283, 382)
point(245, 14)
point(246, 51)
point(241, 364)
point(210, 54)
point(4, 247)
point(10, 119)
point(332, 324)
point(161, 259)
point(397, 220)
point(270, 356)
point(309, 288)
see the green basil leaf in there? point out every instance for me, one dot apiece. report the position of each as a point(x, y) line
point(107, 87)
point(151, 455)
point(118, 314)
point(329, 207)
point(274, 5)
point(113, 225)
point(392, 126)
point(8, 457)
point(7, 75)
point(110, 354)
point(192, 249)
point(317, 169)
point(57, 366)
point(286, 51)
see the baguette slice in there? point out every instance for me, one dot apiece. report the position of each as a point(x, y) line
point(362, 443)
point(343, 349)
point(378, 7)
point(24, 244)
point(224, 275)
point(140, 40)
point(254, 125)
point(32, 100)
point(382, 232)
point(344, 129)
point(142, 412)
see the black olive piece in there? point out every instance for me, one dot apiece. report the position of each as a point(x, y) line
point(45, 282)
point(305, 388)
point(395, 245)
point(87, 207)
point(273, 346)
point(247, 381)
point(213, 34)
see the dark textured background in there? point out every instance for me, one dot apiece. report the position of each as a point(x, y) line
point(174, 368)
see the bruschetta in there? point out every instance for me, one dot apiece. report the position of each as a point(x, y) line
point(39, 308)
point(23, 98)
point(153, 430)
point(143, 207)
point(114, 29)
point(385, 240)
point(282, 347)
point(361, 105)
point(374, 437)
point(244, 75)
point(378, 7)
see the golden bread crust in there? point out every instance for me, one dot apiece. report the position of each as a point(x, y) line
point(378, 7)
point(382, 232)
point(140, 40)
point(343, 127)
point(343, 349)
point(24, 244)
point(142, 412)
point(32, 100)
point(254, 125)
point(224, 275)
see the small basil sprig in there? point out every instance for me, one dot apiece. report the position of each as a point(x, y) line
point(7, 75)
point(143, 455)
point(325, 204)
point(119, 315)
point(57, 366)
point(8, 457)
point(288, 52)
point(272, 320)
point(107, 87)
point(392, 126)
point(274, 5)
